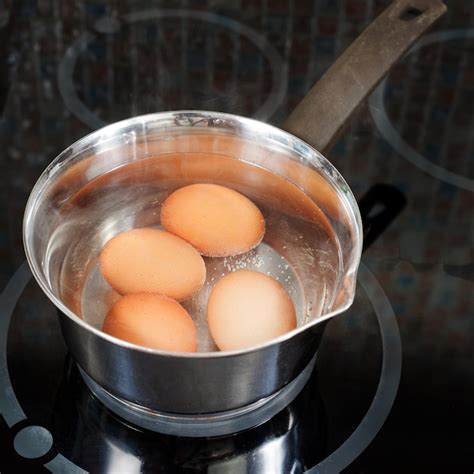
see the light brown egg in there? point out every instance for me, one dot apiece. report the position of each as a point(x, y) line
point(218, 221)
point(153, 321)
point(152, 260)
point(246, 308)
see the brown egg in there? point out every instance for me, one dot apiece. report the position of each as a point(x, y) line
point(218, 221)
point(246, 308)
point(153, 321)
point(152, 260)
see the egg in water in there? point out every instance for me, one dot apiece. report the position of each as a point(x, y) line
point(153, 321)
point(216, 220)
point(247, 308)
point(152, 260)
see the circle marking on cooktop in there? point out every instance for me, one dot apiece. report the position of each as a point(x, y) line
point(33, 442)
point(105, 25)
point(393, 137)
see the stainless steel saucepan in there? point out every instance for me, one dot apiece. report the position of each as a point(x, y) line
point(117, 177)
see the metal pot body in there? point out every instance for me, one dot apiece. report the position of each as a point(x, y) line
point(190, 385)
point(116, 179)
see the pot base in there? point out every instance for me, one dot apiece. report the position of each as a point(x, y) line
point(202, 425)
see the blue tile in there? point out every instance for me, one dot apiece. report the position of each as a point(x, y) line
point(196, 59)
point(326, 46)
point(446, 190)
point(95, 9)
point(432, 151)
point(399, 309)
point(276, 24)
point(340, 147)
point(448, 76)
point(405, 281)
point(439, 113)
point(297, 86)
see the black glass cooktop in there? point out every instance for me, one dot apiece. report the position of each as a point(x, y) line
point(393, 386)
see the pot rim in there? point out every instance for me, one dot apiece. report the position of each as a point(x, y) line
point(257, 125)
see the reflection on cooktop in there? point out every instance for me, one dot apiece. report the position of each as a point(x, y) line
point(95, 439)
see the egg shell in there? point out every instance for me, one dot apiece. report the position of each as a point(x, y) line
point(217, 220)
point(247, 308)
point(153, 321)
point(152, 260)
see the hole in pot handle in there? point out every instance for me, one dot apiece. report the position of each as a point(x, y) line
point(410, 13)
point(321, 116)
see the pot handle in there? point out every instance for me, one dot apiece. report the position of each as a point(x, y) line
point(321, 116)
point(379, 207)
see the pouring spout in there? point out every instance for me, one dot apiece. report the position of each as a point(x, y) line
point(345, 296)
point(379, 207)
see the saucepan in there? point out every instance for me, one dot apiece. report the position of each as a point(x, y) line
point(117, 178)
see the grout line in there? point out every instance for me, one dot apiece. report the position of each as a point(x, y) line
point(134, 65)
point(109, 42)
point(183, 104)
